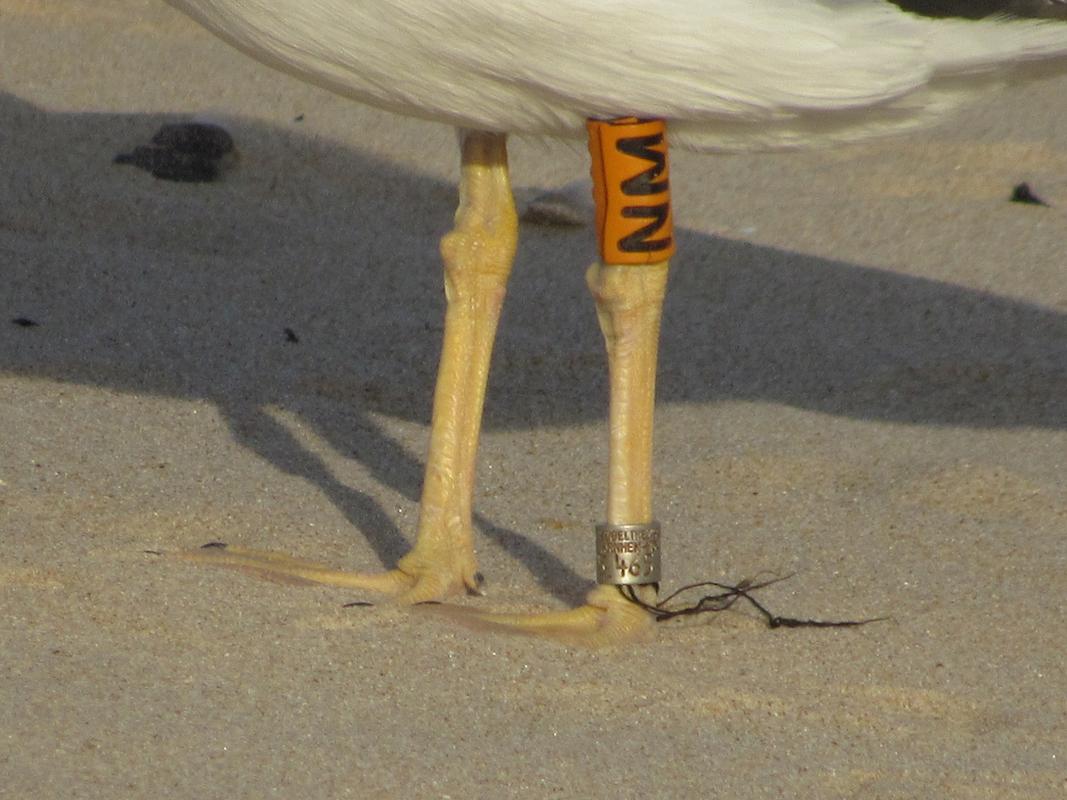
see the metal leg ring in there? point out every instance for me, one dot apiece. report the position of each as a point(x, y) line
point(627, 555)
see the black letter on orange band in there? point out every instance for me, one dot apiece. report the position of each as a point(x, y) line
point(641, 147)
point(638, 241)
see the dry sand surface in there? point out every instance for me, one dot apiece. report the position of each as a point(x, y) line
point(864, 380)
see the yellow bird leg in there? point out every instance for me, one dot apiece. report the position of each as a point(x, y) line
point(478, 255)
point(629, 301)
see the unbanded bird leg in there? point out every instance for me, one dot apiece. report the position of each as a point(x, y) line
point(478, 255)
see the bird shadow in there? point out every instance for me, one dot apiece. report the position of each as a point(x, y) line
point(186, 291)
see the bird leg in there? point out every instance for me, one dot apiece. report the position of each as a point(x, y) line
point(478, 255)
point(628, 283)
point(629, 300)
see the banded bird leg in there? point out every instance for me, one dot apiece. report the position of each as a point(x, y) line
point(629, 300)
point(631, 189)
point(478, 255)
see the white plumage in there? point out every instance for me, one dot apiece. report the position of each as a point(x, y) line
point(727, 75)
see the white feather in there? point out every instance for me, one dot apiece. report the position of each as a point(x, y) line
point(728, 75)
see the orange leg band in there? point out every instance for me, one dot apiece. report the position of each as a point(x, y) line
point(631, 189)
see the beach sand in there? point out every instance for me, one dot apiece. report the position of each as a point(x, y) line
point(863, 381)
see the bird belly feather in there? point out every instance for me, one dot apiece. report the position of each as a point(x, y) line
point(729, 75)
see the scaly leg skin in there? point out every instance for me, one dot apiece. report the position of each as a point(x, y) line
point(629, 303)
point(478, 255)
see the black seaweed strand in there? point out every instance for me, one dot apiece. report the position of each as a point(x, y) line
point(724, 600)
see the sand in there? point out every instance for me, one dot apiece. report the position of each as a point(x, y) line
point(864, 381)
